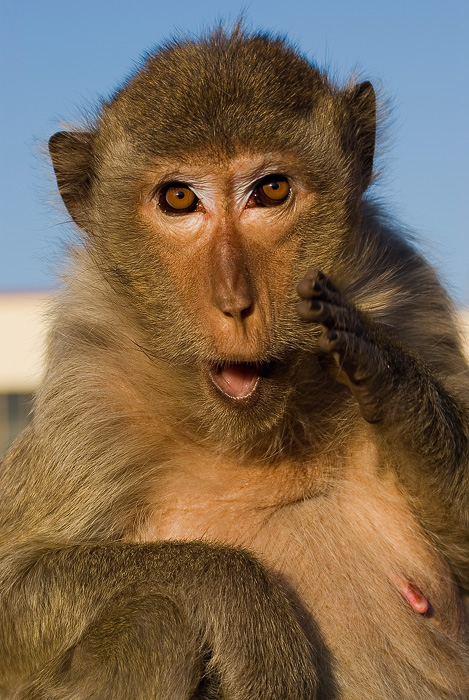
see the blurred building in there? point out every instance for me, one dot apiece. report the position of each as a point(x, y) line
point(23, 323)
point(23, 327)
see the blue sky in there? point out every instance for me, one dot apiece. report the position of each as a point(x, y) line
point(58, 57)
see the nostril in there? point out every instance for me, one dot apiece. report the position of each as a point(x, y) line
point(234, 306)
point(247, 311)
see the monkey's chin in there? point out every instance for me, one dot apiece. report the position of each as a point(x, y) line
point(236, 380)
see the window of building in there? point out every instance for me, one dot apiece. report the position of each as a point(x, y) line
point(15, 412)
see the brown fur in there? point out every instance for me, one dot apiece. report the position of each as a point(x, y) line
point(161, 540)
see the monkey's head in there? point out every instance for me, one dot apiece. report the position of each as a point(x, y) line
point(210, 182)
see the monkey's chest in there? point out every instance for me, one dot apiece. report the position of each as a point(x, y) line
point(353, 553)
point(379, 603)
point(376, 600)
point(360, 555)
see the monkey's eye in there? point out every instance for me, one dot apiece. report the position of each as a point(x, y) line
point(177, 198)
point(271, 191)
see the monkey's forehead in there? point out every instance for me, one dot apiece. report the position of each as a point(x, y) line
point(231, 90)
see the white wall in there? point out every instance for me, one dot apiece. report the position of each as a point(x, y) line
point(23, 324)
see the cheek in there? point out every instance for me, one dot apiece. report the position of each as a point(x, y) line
point(187, 271)
point(273, 268)
point(173, 247)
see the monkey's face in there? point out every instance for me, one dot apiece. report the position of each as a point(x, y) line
point(208, 251)
point(224, 235)
point(220, 248)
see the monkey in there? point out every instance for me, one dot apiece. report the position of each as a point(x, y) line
point(246, 472)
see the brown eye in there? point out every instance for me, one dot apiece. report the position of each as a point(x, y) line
point(271, 191)
point(177, 199)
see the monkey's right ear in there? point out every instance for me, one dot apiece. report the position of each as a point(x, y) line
point(72, 158)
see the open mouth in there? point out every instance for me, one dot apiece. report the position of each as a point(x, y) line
point(237, 380)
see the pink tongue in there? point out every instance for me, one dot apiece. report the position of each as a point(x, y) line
point(237, 381)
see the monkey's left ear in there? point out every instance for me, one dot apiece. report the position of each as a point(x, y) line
point(362, 129)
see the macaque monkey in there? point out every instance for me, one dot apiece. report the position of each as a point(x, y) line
point(246, 475)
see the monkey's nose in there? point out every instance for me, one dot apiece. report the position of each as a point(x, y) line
point(233, 297)
point(231, 290)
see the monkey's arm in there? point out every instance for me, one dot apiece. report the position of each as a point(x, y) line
point(409, 406)
point(137, 621)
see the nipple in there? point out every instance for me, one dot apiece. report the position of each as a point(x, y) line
point(414, 596)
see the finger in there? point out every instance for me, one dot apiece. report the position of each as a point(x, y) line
point(316, 284)
point(333, 317)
